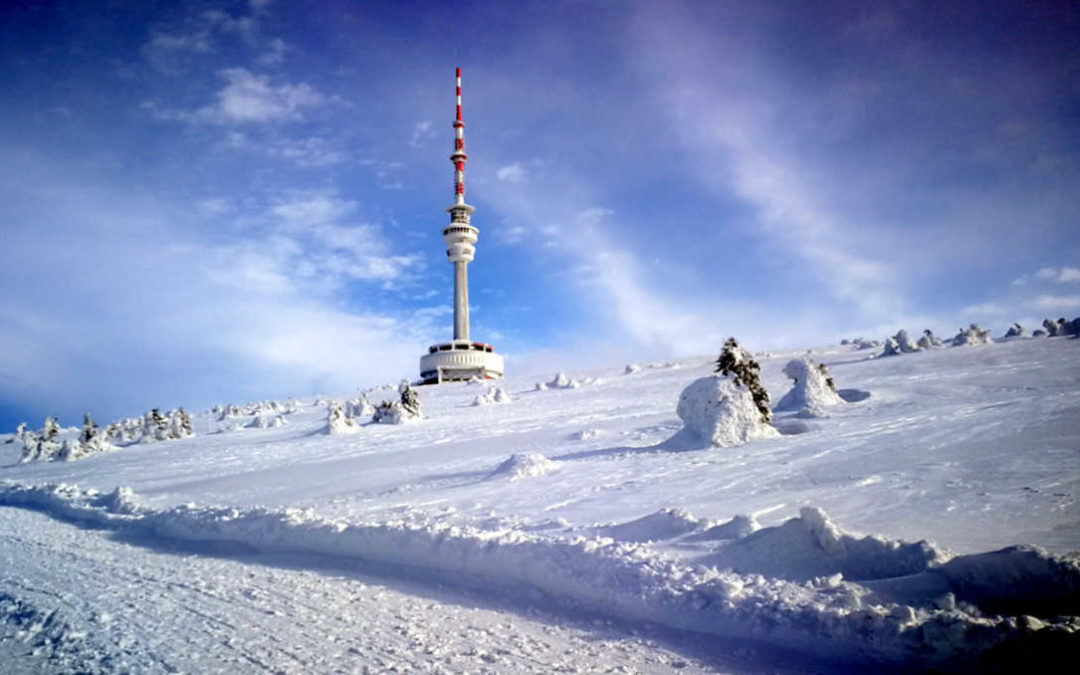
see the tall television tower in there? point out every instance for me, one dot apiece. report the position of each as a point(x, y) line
point(460, 359)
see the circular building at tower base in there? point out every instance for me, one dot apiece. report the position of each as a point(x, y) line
point(460, 360)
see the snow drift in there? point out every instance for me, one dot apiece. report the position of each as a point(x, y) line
point(826, 616)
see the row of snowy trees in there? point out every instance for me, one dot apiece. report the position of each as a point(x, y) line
point(902, 343)
point(45, 443)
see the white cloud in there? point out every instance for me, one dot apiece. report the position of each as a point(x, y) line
point(511, 173)
point(274, 55)
point(1061, 275)
point(1057, 302)
point(247, 97)
point(313, 151)
point(306, 208)
point(422, 133)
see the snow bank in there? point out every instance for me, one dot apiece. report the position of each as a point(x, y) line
point(827, 617)
point(526, 465)
point(721, 413)
point(901, 343)
point(810, 546)
point(812, 392)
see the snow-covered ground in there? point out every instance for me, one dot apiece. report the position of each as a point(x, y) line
point(586, 532)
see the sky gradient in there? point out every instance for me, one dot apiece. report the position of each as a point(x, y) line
point(215, 202)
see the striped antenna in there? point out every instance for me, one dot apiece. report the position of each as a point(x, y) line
point(459, 157)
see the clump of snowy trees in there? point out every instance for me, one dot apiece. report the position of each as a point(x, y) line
point(1061, 327)
point(150, 428)
point(731, 407)
point(346, 419)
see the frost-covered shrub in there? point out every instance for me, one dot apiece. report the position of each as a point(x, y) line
point(863, 343)
point(813, 389)
point(1038, 332)
point(929, 340)
point(1015, 331)
point(338, 421)
point(973, 335)
point(1071, 327)
point(892, 347)
point(745, 372)
point(722, 412)
point(631, 368)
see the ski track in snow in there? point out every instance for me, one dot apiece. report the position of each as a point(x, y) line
point(972, 448)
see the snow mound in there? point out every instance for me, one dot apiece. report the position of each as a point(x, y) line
point(811, 392)
point(930, 341)
point(524, 465)
point(267, 421)
point(722, 413)
point(810, 546)
point(901, 343)
point(631, 368)
point(338, 422)
point(664, 524)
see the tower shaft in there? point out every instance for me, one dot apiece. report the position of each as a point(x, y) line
point(460, 236)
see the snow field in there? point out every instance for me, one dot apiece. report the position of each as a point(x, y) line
point(587, 495)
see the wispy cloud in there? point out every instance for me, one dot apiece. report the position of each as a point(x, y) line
point(1060, 275)
point(422, 134)
point(511, 173)
point(248, 97)
point(1058, 302)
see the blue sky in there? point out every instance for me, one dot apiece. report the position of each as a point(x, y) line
point(224, 201)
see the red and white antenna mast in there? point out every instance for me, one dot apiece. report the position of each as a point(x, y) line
point(460, 236)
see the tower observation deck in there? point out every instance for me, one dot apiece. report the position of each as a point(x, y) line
point(460, 359)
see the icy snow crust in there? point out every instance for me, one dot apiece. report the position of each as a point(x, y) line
point(964, 462)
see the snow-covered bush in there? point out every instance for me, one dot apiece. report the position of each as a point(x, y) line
point(338, 421)
point(1070, 327)
point(813, 389)
point(492, 395)
point(745, 372)
point(1015, 331)
point(722, 412)
point(863, 343)
point(973, 335)
point(631, 368)
point(929, 340)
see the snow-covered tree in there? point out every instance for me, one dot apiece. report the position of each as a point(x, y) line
point(1053, 328)
point(745, 372)
point(410, 401)
point(929, 340)
point(812, 390)
point(721, 412)
point(1016, 331)
point(50, 429)
point(338, 421)
point(89, 429)
point(492, 395)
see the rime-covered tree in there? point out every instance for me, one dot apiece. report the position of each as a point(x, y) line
point(89, 429)
point(410, 401)
point(745, 372)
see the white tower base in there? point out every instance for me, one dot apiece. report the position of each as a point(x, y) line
point(460, 360)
